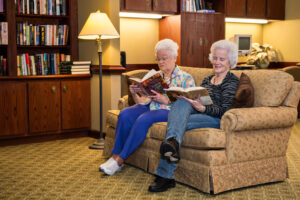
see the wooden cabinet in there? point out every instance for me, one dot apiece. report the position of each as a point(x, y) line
point(13, 108)
point(155, 6)
point(246, 8)
point(44, 106)
point(76, 104)
point(275, 9)
point(263, 9)
point(39, 106)
point(194, 33)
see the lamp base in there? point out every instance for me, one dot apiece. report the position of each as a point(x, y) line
point(99, 145)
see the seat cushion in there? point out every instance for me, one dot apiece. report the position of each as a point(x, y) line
point(204, 138)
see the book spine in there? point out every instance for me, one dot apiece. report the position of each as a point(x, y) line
point(4, 33)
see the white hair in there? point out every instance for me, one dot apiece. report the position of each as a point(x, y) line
point(169, 45)
point(231, 48)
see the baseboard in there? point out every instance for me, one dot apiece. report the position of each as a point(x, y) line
point(44, 138)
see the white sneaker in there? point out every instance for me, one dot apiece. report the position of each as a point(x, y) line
point(105, 164)
point(112, 168)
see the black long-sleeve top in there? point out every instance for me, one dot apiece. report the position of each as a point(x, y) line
point(222, 95)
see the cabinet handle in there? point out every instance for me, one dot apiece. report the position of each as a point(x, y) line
point(201, 41)
point(65, 88)
point(53, 89)
point(249, 10)
point(148, 4)
point(155, 3)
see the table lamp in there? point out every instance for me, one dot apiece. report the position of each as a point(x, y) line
point(98, 27)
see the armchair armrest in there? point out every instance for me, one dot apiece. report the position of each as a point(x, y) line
point(123, 102)
point(243, 119)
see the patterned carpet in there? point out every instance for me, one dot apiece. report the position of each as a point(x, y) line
point(67, 169)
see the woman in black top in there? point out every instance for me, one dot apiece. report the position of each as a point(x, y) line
point(187, 114)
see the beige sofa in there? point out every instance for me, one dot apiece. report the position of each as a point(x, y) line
point(248, 149)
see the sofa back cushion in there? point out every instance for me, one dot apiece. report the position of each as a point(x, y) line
point(271, 86)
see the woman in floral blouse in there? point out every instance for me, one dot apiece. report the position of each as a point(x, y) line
point(134, 122)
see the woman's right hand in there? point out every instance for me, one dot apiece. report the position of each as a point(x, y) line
point(134, 89)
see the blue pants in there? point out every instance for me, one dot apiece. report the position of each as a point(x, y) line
point(132, 127)
point(182, 117)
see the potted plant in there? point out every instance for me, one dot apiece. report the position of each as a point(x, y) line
point(262, 55)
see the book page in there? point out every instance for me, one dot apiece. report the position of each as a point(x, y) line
point(152, 72)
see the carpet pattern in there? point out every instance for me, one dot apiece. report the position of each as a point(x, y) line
point(67, 169)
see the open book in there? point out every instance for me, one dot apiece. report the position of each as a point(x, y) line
point(191, 93)
point(151, 81)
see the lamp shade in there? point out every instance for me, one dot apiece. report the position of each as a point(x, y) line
point(98, 25)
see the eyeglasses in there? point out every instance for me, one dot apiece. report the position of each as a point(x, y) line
point(163, 59)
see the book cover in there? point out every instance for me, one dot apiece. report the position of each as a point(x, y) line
point(191, 93)
point(151, 81)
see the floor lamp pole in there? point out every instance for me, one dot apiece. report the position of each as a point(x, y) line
point(100, 143)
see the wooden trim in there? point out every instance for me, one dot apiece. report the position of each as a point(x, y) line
point(131, 67)
point(118, 69)
point(44, 77)
point(112, 69)
point(274, 65)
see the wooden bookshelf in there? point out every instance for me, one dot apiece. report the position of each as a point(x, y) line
point(40, 105)
point(13, 18)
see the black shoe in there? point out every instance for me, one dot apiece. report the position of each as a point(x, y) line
point(161, 184)
point(169, 150)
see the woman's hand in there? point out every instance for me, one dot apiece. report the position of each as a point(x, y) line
point(196, 103)
point(134, 89)
point(160, 98)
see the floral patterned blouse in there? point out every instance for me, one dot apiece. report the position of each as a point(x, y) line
point(178, 78)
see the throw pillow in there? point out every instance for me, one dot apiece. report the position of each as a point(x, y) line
point(244, 96)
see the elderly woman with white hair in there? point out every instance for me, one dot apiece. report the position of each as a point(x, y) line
point(187, 114)
point(134, 122)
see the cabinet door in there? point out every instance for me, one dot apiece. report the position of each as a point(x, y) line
point(138, 5)
point(198, 32)
point(236, 8)
point(192, 40)
point(168, 6)
point(256, 8)
point(44, 106)
point(76, 104)
point(13, 108)
point(215, 30)
point(275, 9)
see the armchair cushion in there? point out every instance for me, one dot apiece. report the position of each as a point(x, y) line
point(244, 96)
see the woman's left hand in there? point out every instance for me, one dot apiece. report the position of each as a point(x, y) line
point(159, 98)
point(196, 103)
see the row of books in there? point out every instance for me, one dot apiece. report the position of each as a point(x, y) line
point(75, 67)
point(48, 34)
point(201, 6)
point(41, 7)
point(1, 5)
point(40, 64)
point(3, 33)
point(3, 66)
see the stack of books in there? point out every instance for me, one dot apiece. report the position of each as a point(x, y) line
point(75, 67)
